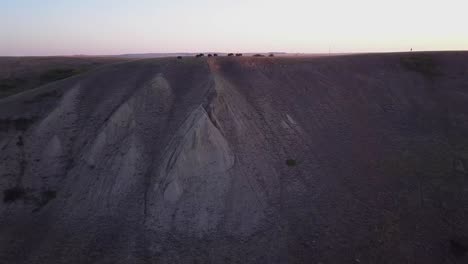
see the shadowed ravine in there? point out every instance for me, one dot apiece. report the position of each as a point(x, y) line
point(341, 159)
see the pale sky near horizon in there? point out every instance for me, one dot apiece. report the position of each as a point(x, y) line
point(61, 27)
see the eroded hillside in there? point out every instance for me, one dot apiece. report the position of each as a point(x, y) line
point(240, 160)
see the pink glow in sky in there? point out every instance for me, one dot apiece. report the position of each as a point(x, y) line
point(59, 27)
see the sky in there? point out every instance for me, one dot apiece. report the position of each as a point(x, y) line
point(105, 27)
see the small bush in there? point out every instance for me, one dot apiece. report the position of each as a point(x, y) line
point(258, 55)
point(216, 55)
point(13, 194)
point(239, 54)
point(179, 57)
point(231, 54)
point(271, 55)
point(291, 162)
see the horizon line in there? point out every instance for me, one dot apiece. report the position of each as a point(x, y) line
point(212, 52)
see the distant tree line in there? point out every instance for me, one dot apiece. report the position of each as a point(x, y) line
point(229, 55)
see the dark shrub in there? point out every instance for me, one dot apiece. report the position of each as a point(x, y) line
point(13, 194)
point(209, 55)
point(258, 55)
point(231, 54)
point(291, 162)
point(216, 55)
point(239, 54)
point(179, 57)
point(271, 55)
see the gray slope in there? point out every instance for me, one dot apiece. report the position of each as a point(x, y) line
point(183, 161)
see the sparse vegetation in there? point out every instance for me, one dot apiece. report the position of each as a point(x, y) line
point(49, 195)
point(46, 197)
point(11, 86)
point(50, 94)
point(259, 55)
point(58, 74)
point(25, 73)
point(179, 57)
point(10, 83)
point(18, 193)
point(420, 63)
point(458, 248)
point(271, 55)
point(291, 162)
point(20, 142)
point(13, 194)
point(20, 124)
point(53, 93)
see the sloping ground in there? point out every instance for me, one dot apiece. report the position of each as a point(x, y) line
point(240, 160)
point(18, 74)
